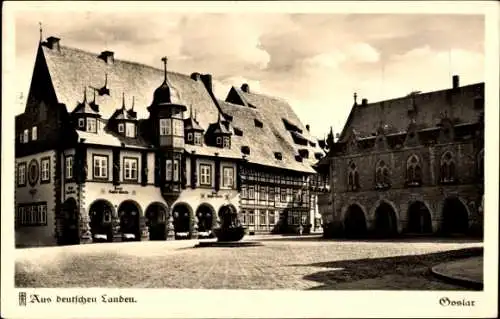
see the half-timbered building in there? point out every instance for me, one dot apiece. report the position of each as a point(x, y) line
point(111, 150)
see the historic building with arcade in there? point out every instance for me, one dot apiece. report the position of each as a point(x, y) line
point(110, 150)
point(409, 165)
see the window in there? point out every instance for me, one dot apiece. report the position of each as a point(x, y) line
point(81, 123)
point(130, 169)
point(26, 136)
point(243, 217)
point(130, 130)
point(262, 218)
point(218, 140)
point(176, 170)
point(228, 177)
point(100, 166)
point(21, 171)
point(91, 125)
point(205, 175)
point(283, 195)
point(226, 142)
point(382, 179)
point(190, 137)
point(21, 138)
point(168, 170)
point(178, 127)
point(45, 174)
point(34, 133)
point(270, 194)
point(244, 192)
point(277, 193)
point(197, 138)
point(32, 215)
point(251, 192)
point(271, 219)
point(121, 127)
point(353, 177)
point(69, 167)
point(262, 193)
point(447, 172)
point(251, 217)
point(165, 127)
point(413, 171)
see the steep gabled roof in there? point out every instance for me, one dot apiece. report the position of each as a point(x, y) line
point(275, 112)
point(395, 112)
point(72, 69)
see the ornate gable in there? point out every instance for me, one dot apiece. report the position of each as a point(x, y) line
point(412, 138)
point(381, 138)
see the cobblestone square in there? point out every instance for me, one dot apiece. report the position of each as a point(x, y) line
point(281, 263)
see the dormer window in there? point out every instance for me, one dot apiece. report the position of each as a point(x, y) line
point(190, 137)
point(81, 123)
point(91, 125)
point(218, 140)
point(238, 132)
point(226, 143)
point(258, 123)
point(26, 135)
point(121, 128)
point(197, 138)
point(130, 130)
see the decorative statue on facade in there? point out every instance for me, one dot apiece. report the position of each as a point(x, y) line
point(170, 227)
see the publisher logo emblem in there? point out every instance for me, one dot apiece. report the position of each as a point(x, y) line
point(22, 299)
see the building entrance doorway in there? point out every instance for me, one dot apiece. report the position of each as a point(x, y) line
point(455, 217)
point(100, 214)
point(182, 221)
point(206, 217)
point(419, 219)
point(129, 221)
point(355, 222)
point(69, 223)
point(157, 219)
point(385, 221)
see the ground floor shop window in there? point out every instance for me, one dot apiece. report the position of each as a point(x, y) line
point(262, 218)
point(32, 214)
point(271, 217)
point(251, 218)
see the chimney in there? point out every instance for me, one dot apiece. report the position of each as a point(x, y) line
point(53, 43)
point(364, 102)
point(207, 81)
point(107, 56)
point(195, 76)
point(307, 127)
point(245, 88)
point(456, 81)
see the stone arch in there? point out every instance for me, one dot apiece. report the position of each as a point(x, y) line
point(182, 214)
point(354, 221)
point(419, 218)
point(455, 215)
point(385, 217)
point(101, 214)
point(206, 215)
point(130, 212)
point(68, 223)
point(228, 215)
point(157, 215)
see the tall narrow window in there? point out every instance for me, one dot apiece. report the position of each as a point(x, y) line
point(413, 171)
point(91, 125)
point(205, 175)
point(121, 127)
point(382, 179)
point(130, 169)
point(251, 192)
point(197, 138)
point(100, 166)
point(45, 173)
point(168, 170)
point(226, 142)
point(228, 177)
point(447, 171)
point(130, 130)
point(81, 123)
point(21, 170)
point(190, 137)
point(218, 140)
point(26, 136)
point(353, 177)
point(178, 127)
point(34, 133)
point(69, 167)
point(176, 170)
point(165, 127)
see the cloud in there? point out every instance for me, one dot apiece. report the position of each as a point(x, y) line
point(363, 52)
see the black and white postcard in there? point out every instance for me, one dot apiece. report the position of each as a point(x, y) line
point(250, 159)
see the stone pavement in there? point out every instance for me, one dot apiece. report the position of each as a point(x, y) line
point(465, 272)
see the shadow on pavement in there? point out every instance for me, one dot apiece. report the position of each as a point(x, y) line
point(416, 266)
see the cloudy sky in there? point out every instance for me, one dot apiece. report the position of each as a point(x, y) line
point(315, 61)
